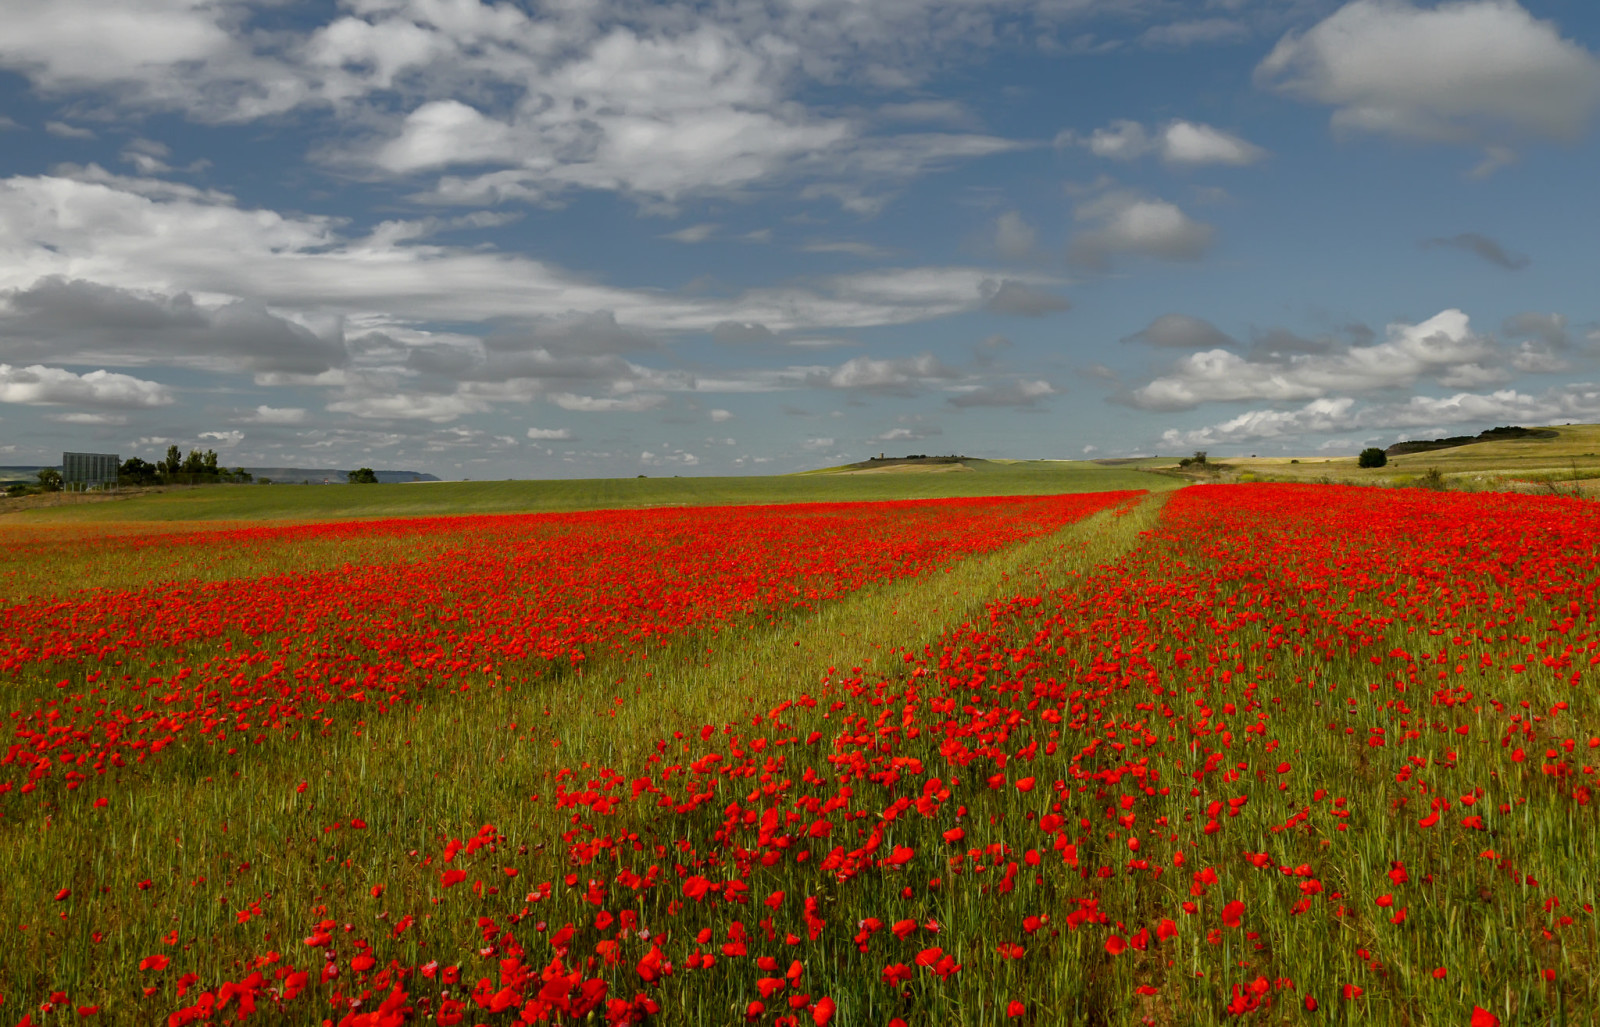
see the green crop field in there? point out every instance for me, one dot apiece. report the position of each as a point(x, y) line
point(432, 499)
point(1511, 464)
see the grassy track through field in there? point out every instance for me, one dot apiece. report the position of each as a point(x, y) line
point(240, 858)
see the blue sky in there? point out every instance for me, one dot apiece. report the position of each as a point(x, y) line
point(591, 238)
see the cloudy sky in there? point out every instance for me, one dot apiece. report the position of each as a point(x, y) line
point(555, 238)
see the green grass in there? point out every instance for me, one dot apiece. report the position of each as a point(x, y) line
point(331, 502)
point(1505, 464)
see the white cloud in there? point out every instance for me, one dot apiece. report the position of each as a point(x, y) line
point(606, 404)
point(438, 409)
point(1180, 34)
point(37, 385)
point(224, 439)
point(62, 130)
point(276, 415)
point(1014, 238)
point(547, 434)
point(693, 233)
point(1538, 358)
point(901, 376)
point(445, 132)
point(1441, 346)
point(110, 236)
point(719, 415)
point(1120, 140)
point(660, 104)
point(1123, 222)
point(907, 434)
point(1184, 142)
point(1577, 402)
point(84, 418)
point(853, 247)
point(1018, 395)
point(1479, 71)
point(1178, 142)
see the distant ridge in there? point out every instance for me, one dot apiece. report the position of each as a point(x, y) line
point(334, 476)
point(285, 475)
point(1490, 435)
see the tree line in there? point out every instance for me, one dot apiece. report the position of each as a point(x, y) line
point(195, 469)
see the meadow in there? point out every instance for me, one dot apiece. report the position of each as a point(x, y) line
point(1274, 753)
point(1568, 463)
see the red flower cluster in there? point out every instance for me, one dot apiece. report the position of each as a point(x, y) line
point(1299, 742)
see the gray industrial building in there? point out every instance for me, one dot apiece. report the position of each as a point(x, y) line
point(89, 470)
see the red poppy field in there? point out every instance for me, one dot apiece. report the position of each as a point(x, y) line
point(1271, 754)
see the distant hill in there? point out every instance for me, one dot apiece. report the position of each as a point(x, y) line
point(317, 475)
point(1505, 434)
point(286, 475)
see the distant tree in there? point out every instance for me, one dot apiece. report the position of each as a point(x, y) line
point(135, 471)
point(242, 476)
point(1199, 457)
point(1372, 456)
point(363, 476)
point(17, 488)
point(170, 467)
point(49, 479)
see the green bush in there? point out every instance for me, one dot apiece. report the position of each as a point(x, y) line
point(1372, 456)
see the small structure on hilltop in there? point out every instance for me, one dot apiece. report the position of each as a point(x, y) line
point(81, 471)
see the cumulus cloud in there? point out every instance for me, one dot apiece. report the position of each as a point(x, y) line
point(524, 105)
point(719, 415)
point(223, 439)
point(1442, 346)
point(1576, 402)
point(1120, 222)
point(899, 376)
point(37, 385)
point(549, 434)
point(1473, 71)
point(1178, 143)
point(1482, 246)
point(1180, 331)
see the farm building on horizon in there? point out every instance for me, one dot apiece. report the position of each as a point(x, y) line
point(89, 470)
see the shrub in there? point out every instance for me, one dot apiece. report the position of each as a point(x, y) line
point(1372, 456)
